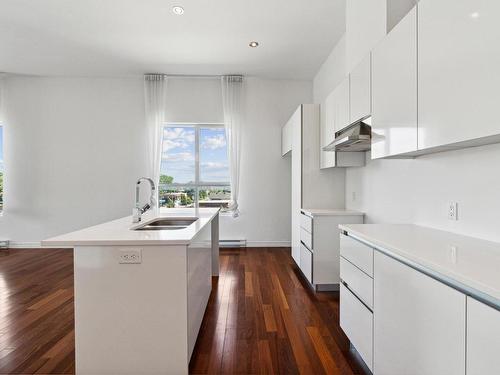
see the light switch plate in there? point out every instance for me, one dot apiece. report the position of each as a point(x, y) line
point(130, 256)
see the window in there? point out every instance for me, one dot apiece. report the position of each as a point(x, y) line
point(1, 168)
point(194, 170)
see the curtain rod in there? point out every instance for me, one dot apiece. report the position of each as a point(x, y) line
point(194, 75)
point(197, 75)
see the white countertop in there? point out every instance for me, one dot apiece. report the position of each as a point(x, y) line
point(471, 265)
point(118, 232)
point(330, 212)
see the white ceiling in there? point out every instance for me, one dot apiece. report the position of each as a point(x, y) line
point(132, 37)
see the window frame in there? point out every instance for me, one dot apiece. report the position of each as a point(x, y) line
point(197, 183)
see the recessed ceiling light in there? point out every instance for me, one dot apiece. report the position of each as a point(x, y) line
point(474, 15)
point(253, 44)
point(178, 10)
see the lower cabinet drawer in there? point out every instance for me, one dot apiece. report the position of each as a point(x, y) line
point(306, 261)
point(306, 238)
point(306, 222)
point(358, 281)
point(357, 253)
point(357, 323)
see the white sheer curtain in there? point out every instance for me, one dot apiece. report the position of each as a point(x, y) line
point(2, 82)
point(155, 94)
point(232, 92)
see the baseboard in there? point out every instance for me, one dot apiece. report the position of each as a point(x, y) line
point(268, 243)
point(36, 245)
point(33, 245)
point(327, 287)
point(25, 245)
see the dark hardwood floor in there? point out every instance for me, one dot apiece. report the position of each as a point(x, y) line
point(36, 312)
point(261, 317)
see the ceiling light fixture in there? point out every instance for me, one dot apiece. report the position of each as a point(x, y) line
point(253, 44)
point(474, 15)
point(178, 10)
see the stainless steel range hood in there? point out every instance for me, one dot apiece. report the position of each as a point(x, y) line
point(353, 138)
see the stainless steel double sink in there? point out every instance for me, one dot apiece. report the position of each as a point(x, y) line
point(168, 224)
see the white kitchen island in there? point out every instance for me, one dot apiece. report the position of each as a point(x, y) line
point(141, 318)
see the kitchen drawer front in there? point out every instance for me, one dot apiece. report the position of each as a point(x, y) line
point(358, 282)
point(306, 222)
point(306, 238)
point(306, 261)
point(357, 253)
point(357, 323)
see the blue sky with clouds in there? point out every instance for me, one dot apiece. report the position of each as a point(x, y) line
point(178, 154)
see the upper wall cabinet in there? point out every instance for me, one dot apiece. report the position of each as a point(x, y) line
point(286, 139)
point(341, 105)
point(459, 79)
point(327, 132)
point(360, 90)
point(335, 116)
point(394, 88)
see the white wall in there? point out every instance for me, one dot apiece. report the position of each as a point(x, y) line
point(331, 72)
point(72, 153)
point(195, 100)
point(419, 190)
point(74, 148)
point(396, 10)
point(366, 25)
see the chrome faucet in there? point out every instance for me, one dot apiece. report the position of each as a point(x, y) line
point(138, 210)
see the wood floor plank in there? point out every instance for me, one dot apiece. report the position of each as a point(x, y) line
point(269, 318)
point(265, 357)
point(322, 351)
point(248, 284)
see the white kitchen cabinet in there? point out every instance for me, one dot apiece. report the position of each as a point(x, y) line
point(340, 105)
point(419, 323)
point(358, 282)
point(357, 323)
point(327, 132)
point(306, 262)
point(311, 187)
point(286, 139)
point(394, 90)
point(295, 124)
point(356, 296)
point(319, 234)
point(335, 116)
point(483, 338)
point(357, 253)
point(360, 90)
point(458, 65)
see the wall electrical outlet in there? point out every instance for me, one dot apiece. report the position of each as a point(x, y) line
point(130, 256)
point(453, 211)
